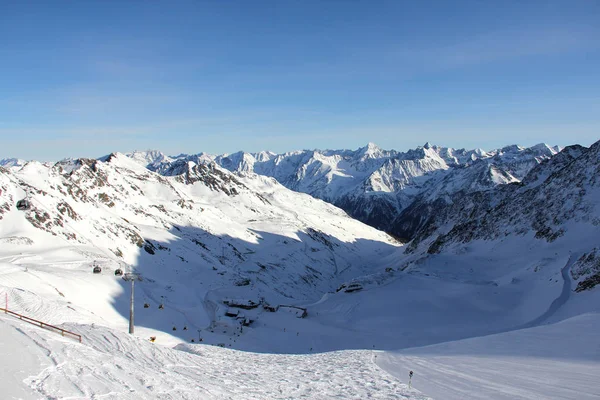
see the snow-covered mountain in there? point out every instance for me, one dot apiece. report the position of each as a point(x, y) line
point(224, 221)
point(372, 184)
point(557, 202)
point(561, 190)
point(430, 193)
point(502, 270)
point(12, 162)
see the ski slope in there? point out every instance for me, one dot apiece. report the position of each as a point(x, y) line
point(347, 347)
point(113, 365)
point(281, 356)
point(557, 361)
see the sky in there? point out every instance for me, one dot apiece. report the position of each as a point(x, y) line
point(84, 79)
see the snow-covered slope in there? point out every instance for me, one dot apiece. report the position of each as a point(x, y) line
point(538, 237)
point(198, 238)
point(239, 261)
point(537, 363)
point(111, 364)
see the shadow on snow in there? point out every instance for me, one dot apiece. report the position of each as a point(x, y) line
point(185, 283)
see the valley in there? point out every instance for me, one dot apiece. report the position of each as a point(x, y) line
point(253, 290)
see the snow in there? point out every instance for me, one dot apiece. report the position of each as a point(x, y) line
point(25, 358)
point(541, 362)
point(332, 173)
point(393, 311)
point(112, 364)
point(12, 162)
point(149, 157)
point(375, 185)
point(489, 319)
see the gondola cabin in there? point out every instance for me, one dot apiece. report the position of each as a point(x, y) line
point(97, 269)
point(23, 205)
point(118, 272)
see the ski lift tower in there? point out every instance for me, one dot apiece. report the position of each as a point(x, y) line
point(131, 277)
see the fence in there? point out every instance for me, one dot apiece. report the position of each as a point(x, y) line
point(53, 328)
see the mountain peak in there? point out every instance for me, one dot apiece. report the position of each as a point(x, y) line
point(371, 149)
point(545, 149)
point(147, 157)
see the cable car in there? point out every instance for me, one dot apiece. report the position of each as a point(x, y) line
point(23, 205)
point(161, 307)
point(118, 272)
point(97, 269)
point(146, 305)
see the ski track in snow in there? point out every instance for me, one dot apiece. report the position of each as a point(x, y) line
point(114, 365)
point(561, 299)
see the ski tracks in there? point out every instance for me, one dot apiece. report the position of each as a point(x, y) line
point(560, 300)
point(111, 364)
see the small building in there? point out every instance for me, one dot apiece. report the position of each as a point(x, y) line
point(299, 312)
point(241, 303)
point(270, 308)
point(353, 287)
point(231, 312)
point(350, 287)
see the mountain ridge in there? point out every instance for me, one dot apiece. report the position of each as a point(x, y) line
point(371, 184)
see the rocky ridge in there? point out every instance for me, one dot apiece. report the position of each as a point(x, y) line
point(371, 184)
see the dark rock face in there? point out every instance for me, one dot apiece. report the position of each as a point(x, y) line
point(587, 270)
point(209, 174)
point(542, 207)
point(588, 283)
point(372, 210)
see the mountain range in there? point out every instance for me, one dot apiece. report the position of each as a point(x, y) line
point(373, 185)
point(266, 253)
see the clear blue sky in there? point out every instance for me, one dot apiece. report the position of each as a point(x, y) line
point(84, 78)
